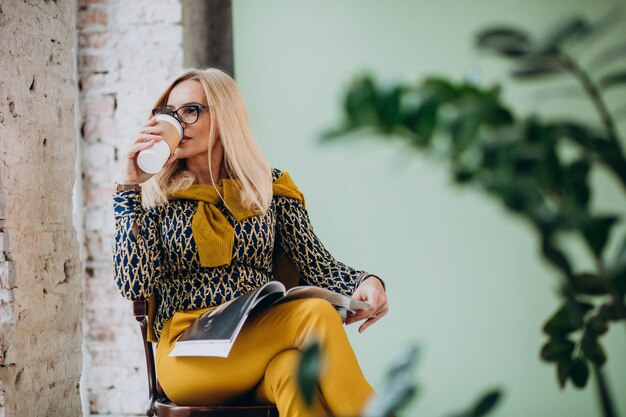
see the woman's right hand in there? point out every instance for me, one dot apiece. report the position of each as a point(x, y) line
point(148, 135)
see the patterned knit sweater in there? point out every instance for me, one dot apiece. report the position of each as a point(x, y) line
point(163, 258)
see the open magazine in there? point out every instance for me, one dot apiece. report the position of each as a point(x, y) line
point(214, 332)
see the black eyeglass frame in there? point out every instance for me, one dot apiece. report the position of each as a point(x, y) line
point(174, 113)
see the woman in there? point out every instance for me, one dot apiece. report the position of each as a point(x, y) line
point(202, 231)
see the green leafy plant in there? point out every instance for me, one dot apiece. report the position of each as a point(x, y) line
point(308, 372)
point(397, 390)
point(538, 167)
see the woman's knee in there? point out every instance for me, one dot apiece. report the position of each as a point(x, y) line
point(282, 369)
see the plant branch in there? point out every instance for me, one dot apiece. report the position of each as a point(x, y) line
point(617, 163)
point(594, 93)
point(616, 297)
point(608, 408)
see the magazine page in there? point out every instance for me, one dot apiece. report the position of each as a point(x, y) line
point(336, 299)
point(268, 293)
point(202, 348)
point(222, 322)
point(214, 332)
point(219, 325)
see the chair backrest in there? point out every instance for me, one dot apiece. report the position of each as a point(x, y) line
point(285, 271)
point(144, 310)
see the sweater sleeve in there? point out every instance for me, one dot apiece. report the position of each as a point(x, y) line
point(317, 266)
point(137, 261)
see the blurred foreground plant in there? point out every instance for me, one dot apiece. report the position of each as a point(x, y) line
point(396, 392)
point(539, 168)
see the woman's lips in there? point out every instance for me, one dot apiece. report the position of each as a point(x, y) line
point(185, 139)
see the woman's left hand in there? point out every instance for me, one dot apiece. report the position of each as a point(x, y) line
point(372, 291)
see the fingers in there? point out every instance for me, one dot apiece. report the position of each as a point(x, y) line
point(151, 130)
point(361, 315)
point(150, 122)
point(147, 137)
point(149, 134)
point(379, 307)
point(371, 314)
point(141, 144)
point(378, 304)
point(373, 319)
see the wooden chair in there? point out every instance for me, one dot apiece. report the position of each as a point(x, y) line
point(160, 405)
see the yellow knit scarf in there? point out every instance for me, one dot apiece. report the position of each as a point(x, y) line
point(213, 234)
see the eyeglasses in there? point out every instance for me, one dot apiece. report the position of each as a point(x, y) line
point(188, 114)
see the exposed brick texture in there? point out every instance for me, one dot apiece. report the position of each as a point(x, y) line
point(127, 52)
point(41, 303)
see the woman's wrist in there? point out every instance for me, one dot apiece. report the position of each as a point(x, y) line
point(366, 276)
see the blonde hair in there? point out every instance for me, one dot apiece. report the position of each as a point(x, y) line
point(243, 159)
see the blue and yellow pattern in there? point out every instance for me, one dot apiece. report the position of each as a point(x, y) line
point(163, 259)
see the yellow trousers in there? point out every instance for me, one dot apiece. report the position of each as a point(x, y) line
point(262, 362)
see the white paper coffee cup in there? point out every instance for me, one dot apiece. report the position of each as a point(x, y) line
point(153, 159)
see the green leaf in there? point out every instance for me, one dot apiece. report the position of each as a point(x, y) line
point(569, 29)
point(360, 103)
point(617, 271)
point(563, 369)
point(579, 372)
point(526, 162)
point(566, 319)
point(388, 107)
point(398, 388)
point(465, 132)
point(620, 259)
point(463, 175)
point(486, 404)
point(515, 200)
point(612, 311)
point(593, 350)
point(422, 121)
point(590, 284)
point(576, 176)
point(596, 232)
point(500, 116)
point(614, 79)
point(578, 133)
point(598, 325)
point(439, 90)
point(538, 67)
point(556, 257)
point(506, 41)
point(534, 131)
point(557, 350)
point(551, 169)
point(483, 406)
point(308, 372)
point(619, 280)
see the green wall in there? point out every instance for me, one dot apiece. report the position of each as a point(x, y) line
point(464, 278)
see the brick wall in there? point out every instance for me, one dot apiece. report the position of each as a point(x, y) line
point(40, 272)
point(127, 52)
